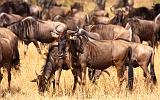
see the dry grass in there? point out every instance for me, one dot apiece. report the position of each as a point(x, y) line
point(106, 87)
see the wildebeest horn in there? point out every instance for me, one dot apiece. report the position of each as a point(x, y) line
point(72, 32)
point(29, 17)
point(57, 30)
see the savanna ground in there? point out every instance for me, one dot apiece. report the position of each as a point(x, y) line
point(106, 87)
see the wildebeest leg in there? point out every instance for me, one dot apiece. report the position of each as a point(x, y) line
point(153, 42)
point(74, 72)
point(1, 77)
point(152, 72)
point(9, 77)
point(120, 75)
point(146, 71)
point(57, 76)
point(145, 76)
point(94, 74)
point(91, 73)
point(37, 46)
point(26, 47)
point(57, 80)
point(83, 73)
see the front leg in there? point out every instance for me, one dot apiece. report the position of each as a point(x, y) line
point(83, 73)
point(120, 75)
point(57, 80)
point(1, 77)
point(74, 72)
point(9, 77)
point(26, 47)
point(37, 46)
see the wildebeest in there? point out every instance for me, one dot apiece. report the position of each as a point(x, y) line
point(8, 19)
point(98, 16)
point(69, 21)
point(99, 13)
point(6, 33)
point(49, 69)
point(120, 18)
point(143, 55)
point(146, 30)
point(89, 54)
point(76, 17)
point(78, 14)
point(19, 8)
point(36, 11)
point(6, 58)
point(101, 4)
point(142, 12)
point(114, 32)
point(156, 8)
point(54, 11)
point(31, 29)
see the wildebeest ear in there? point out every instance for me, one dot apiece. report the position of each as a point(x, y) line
point(34, 80)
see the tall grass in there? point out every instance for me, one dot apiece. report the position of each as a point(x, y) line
point(106, 87)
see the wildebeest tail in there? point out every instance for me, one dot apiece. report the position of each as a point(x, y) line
point(130, 70)
point(152, 72)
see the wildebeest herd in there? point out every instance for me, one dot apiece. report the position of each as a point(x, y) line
point(78, 40)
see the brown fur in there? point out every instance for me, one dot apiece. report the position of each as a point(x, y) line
point(8, 19)
point(146, 30)
point(98, 55)
point(6, 57)
point(30, 30)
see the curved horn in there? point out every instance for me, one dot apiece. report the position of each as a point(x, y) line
point(72, 32)
point(29, 17)
point(57, 32)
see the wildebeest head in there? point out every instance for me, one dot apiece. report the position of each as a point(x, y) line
point(42, 83)
point(73, 36)
point(120, 17)
point(135, 25)
point(8, 19)
point(156, 8)
point(7, 7)
point(46, 77)
point(77, 5)
point(4, 20)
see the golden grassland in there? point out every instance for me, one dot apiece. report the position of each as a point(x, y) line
point(106, 87)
